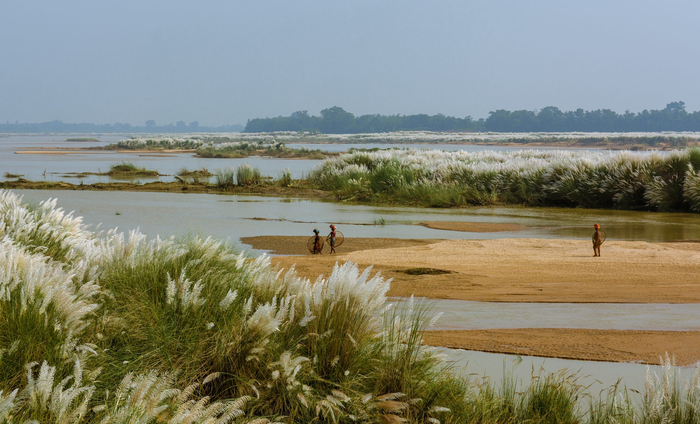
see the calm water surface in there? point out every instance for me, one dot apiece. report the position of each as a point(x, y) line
point(54, 167)
point(597, 375)
point(467, 315)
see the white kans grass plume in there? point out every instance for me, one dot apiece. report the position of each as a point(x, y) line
point(42, 288)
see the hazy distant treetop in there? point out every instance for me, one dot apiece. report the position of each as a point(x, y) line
point(336, 120)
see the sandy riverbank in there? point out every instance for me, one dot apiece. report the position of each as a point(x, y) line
point(514, 270)
point(529, 270)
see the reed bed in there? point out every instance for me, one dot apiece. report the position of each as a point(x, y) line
point(660, 181)
point(117, 328)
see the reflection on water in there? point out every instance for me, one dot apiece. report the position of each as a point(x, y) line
point(467, 315)
point(597, 375)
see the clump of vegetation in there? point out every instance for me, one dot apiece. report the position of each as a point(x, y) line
point(380, 221)
point(425, 271)
point(83, 139)
point(247, 175)
point(659, 181)
point(10, 175)
point(285, 179)
point(225, 178)
point(198, 176)
point(157, 143)
point(128, 169)
point(243, 149)
point(221, 147)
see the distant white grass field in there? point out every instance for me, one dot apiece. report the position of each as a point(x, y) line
point(401, 137)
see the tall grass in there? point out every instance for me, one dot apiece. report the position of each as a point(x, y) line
point(247, 175)
point(122, 328)
point(127, 168)
point(663, 181)
point(225, 178)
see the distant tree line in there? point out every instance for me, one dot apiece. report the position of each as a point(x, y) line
point(673, 117)
point(149, 127)
point(335, 120)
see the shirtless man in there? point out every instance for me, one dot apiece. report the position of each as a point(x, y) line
point(597, 240)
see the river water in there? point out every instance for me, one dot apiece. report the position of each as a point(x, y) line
point(231, 216)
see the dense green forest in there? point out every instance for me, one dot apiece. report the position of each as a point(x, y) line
point(335, 120)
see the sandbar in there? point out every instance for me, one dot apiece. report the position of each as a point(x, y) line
point(515, 270)
point(528, 270)
point(646, 347)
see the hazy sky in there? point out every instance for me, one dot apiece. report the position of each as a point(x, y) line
point(226, 61)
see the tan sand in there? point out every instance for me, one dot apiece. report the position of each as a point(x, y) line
point(516, 270)
point(530, 270)
point(92, 151)
point(473, 227)
point(590, 345)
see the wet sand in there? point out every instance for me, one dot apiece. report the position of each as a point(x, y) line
point(589, 345)
point(93, 150)
point(529, 270)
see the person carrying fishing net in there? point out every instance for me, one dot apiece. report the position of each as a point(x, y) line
point(597, 239)
point(332, 237)
point(318, 243)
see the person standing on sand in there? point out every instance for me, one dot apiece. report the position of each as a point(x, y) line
point(318, 244)
point(332, 236)
point(597, 240)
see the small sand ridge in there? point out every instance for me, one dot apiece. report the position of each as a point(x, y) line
point(528, 270)
point(473, 227)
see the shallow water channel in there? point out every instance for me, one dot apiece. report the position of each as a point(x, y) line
point(467, 315)
point(229, 216)
point(596, 376)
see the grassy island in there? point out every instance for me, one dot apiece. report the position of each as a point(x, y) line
point(219, 147)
